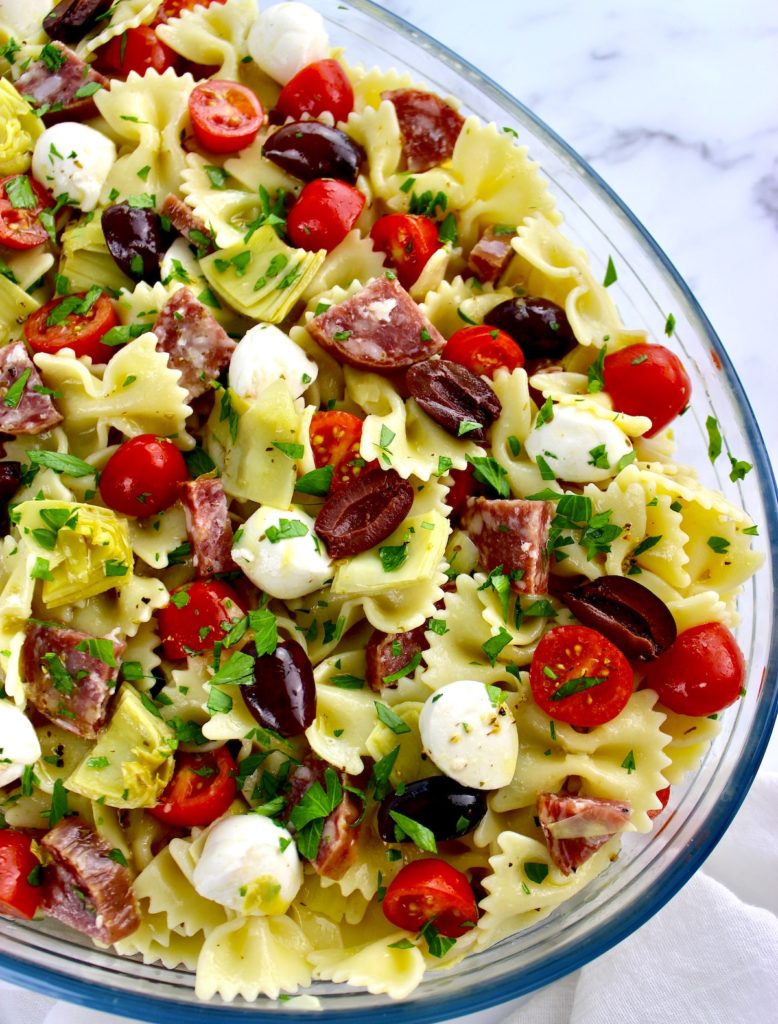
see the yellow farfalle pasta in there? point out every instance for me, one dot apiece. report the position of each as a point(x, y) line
point(212, 34)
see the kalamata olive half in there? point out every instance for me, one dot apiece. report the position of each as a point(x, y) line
point(283, 696)
point(445, 807)
point(627, 613)
point(308, 150)
point(356, 517)
point(538, 326)
point(10, 482)
point(135, 240)
point(463, 404)
point(71, 19)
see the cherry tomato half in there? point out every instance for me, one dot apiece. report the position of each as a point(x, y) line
point(325, 212)
point(18, 897)
point(408, 240)
point(198, 615)
point(80, 331)
point(464, 485)
point(142, 476)
point(202, 788)
point(172, 8)
point(335, 439)
point(318, 87)
point(226, 116)
point(578, 676)
point(663, 795)
point(701, 673)
point(431, 890)
point(136, 49)
point(483, 350)
point(647, 380)
point(19, 224)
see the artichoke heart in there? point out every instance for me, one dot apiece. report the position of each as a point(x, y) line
point(132, 761)
point(87, 548)
point(262, 277)
point(19, 128)
point(86, 259)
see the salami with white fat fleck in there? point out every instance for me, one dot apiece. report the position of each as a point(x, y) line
point(575, 827)
point(84, 887)
point(196, 343)
point(208, 525)
point(512, 533)
point(429, 127)
point(338, 845)
point(25, 411)
point(187, 223)
point(491, 254)
point(64, 679)
point(387, 654)
point(54, 93)
point(380, 329)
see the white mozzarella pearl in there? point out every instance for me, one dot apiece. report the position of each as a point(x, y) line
point(19, 744)
point(264, 355)
point(574, 440)
point(285, 38)
point(249, 864)
point(284, 568)
point(73, 159)
point(470, 734)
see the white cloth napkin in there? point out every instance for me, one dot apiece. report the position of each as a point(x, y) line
point(709, 957)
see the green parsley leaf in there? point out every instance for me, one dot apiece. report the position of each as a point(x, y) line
point(489, 471)
point(118, 857)
point(718, 544)
point(515, 445)
point(385, 439)
point(265, 628)
point(669, 325)
point(390, 718)
point(599, 457)
point(495, 644)
point(536, 872)
point(61, 462)
point(447, 230)
point(437, 944)
point(629, 762)
point(625, 461)
point(198, 462)
point(216, 175)
point(610, 274)
point(382, 769)
point(60, 677)
point(287, 529)
point(595, 373)
point(98, 763)
point(646, 544)
point(87, 90)
point(545, 413)
point(546, 472)
point(20, 194)
point(99, 648)
point(317, 482)
point(14, 394)
point(292, 451)
point(121, 335)
point(59, 803)
point(419, 834)
point(402, 944)
point(715, 442)
point(238, 670)
point(438, 626)
point(40, 570)
point(577, 685)
point(219, 702)
point(348, 682)
point(53, 58)
point(393, 556)
point(739, 468)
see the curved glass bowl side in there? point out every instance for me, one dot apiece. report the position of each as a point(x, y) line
point(58, 963)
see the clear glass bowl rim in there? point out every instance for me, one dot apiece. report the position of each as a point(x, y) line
point(57, 985)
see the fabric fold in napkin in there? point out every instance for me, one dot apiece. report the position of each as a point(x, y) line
point(710, 956)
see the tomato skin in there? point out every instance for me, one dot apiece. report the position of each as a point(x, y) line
point(483, 350)
point(172, 9)
point(17, 897)
point(136, 49)
point(408, 241)
point(464, 486)
point(316, 88)
point(210, 606)
point(574, 652)
point(325, 211)
point(193, 800)
point(656, 386)
point(82, 333)
point(663, 796)
point(226, 116)
point(431, 890)
point(20, 227)
point(701, 673)
point(142, 476)
point(335, 438)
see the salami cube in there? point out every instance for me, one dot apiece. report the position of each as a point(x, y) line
point(61, 88)
point(208, 525)
point(389, 653)
point(187, 223)
point(429, 127)
point(491, 254)
point(24, 408)
point(196, 344)
point(512, 533)
point(575, 827)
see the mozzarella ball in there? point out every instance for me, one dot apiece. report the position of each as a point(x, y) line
point(470, 734)
point(578, 445)
point(73, 159)
point(287, 37)
point(264, 355)
point(276, 561)
point(249, 864)
point(19, 744)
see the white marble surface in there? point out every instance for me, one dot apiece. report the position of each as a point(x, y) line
point(675, 104)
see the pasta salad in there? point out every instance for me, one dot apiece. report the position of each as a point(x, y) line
point(353, 606)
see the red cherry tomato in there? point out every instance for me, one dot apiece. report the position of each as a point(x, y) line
point(463, 487)
point(226, 116)
point(325, 212)
point(18, 897)
point(431, 890)
point(663, 795)
point(408, 240)
point(201, 790)
point(172, 8)
point(647, 380)
point(318, 87)
point(19, 224)
point(136, 49)
point(701, 673)
point(142, 476)
point(80, 331)
point(335, 439)
point(198, 615)
point(578, 676)
point(483, 350)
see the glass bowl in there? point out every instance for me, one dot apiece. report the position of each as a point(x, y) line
point(650, 869)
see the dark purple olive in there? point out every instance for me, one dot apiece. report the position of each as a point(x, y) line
point(463, 404)
point(10, 481)
point(283, 696)
point(538, 326)
point(135, 239)
point(630, 615)
point(356, 517)
point(308, 150)
point(71, 19)
point(448, 809)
